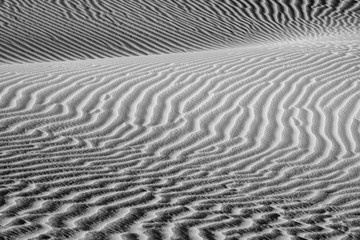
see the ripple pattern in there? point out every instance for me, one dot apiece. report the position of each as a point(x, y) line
point(253, 143)
point(53, 30)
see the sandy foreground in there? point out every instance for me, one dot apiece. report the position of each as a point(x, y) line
point(206, 120)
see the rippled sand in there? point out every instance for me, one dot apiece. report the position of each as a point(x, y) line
point(231, 119)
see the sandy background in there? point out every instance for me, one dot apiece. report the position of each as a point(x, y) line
point(175, 120)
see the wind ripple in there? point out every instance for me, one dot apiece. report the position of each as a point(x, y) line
point(260, 144)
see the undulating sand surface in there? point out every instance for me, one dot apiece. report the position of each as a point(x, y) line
point(179, 119)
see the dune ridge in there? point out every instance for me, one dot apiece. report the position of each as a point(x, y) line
point(37, 31)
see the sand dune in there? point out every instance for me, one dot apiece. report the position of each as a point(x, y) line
point(223, 143)
point(55, 30)
point(247, 128)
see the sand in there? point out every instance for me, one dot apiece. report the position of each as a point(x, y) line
point(180, 119)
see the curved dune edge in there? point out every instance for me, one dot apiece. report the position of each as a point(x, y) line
point(45, 31)
point(233, 144)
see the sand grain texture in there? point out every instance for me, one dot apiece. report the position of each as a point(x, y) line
point(180, 119)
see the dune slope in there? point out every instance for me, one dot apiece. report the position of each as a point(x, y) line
point(257, 142)
point(33, 31)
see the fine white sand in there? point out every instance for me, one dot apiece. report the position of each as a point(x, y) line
point(230, 119)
